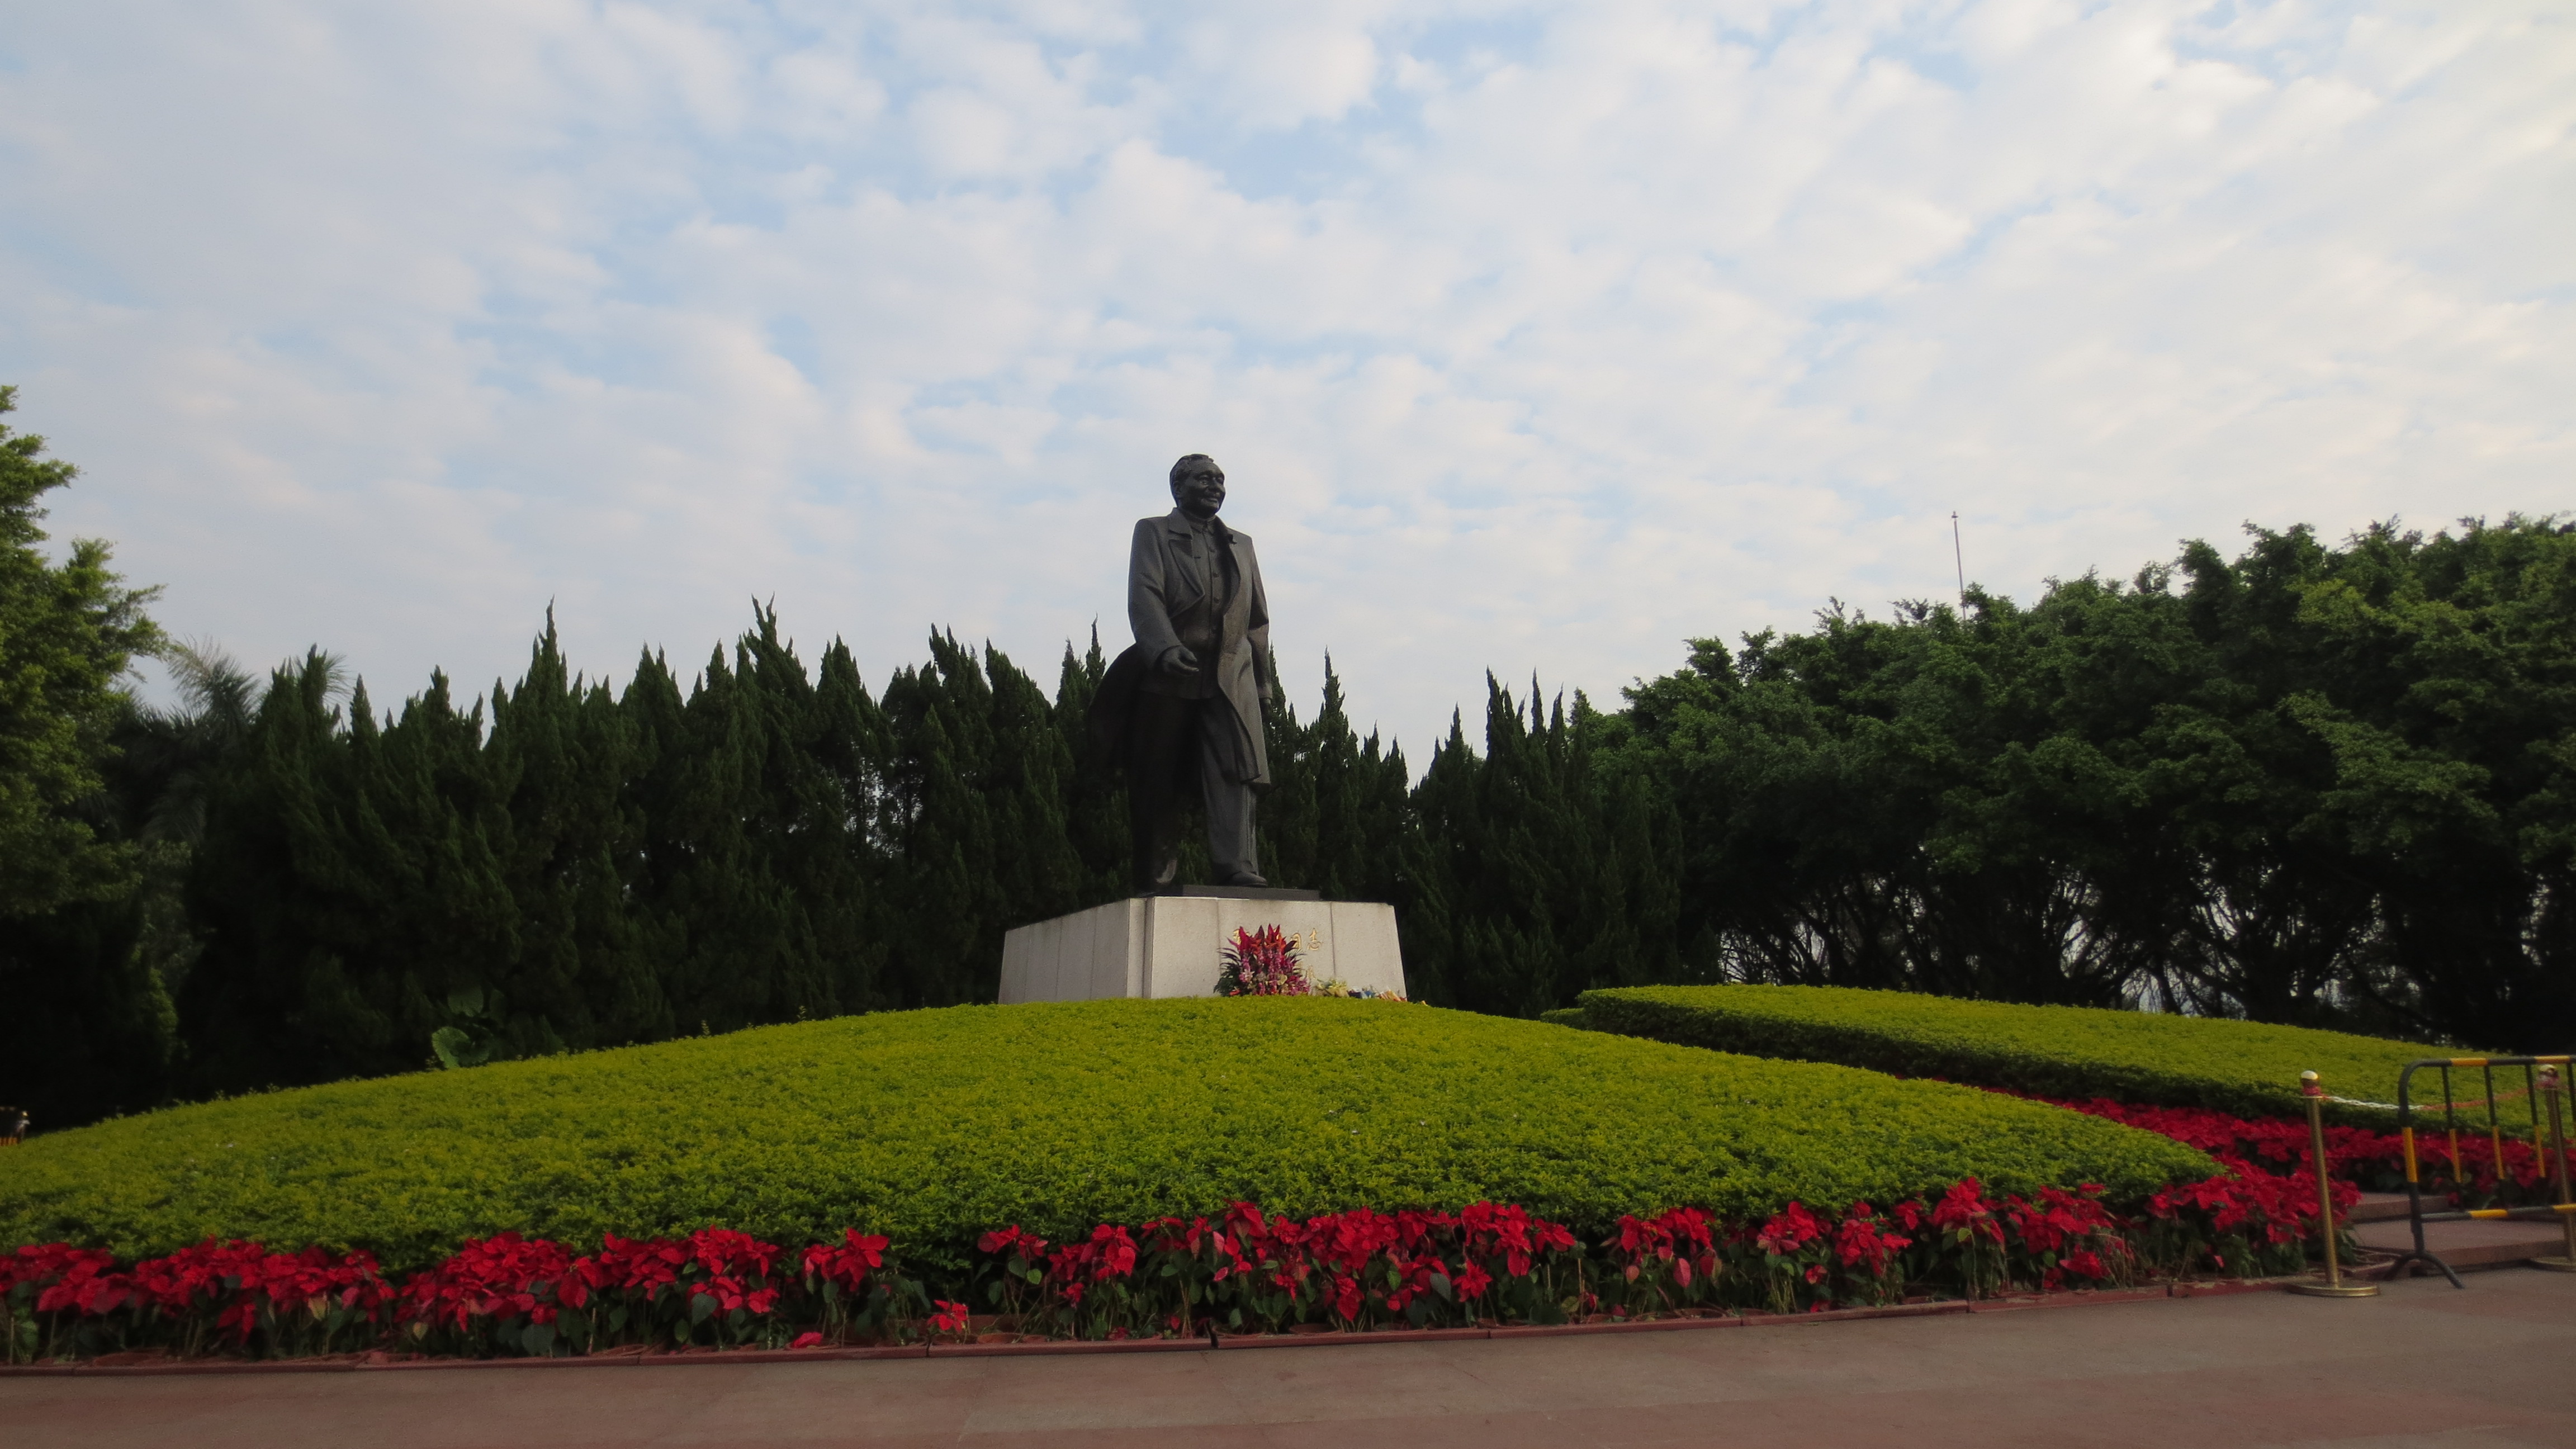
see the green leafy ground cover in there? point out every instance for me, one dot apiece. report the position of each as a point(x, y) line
point(2056, 1051)
point(933, 1126)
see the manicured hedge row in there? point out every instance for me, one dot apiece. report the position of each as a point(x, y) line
point(930, 1127)
point(2055, 1051)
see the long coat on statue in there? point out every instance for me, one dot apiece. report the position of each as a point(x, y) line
point(1164, 593)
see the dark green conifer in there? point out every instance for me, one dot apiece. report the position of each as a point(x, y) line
point(844, 866)
point(1095, 794)
point(562, 752)
point(734, 946)
point(949, 939)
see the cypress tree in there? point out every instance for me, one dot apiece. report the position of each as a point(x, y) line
point(1363, 829)
point(733, 947)
point(1095, 793)
point(425, 848)
point(1029, 772)
point(269, 819)
point(1445, 810)
point(1337, 820)
point(940, 720)
point(800, 817)
point(350, 891)
point(1540, 874)
point(1285, 817)
point(562, 753)
point(844, 865)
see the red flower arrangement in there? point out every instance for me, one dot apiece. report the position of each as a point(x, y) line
point(1261, 963)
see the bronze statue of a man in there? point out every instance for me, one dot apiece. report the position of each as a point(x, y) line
point(1182, 707)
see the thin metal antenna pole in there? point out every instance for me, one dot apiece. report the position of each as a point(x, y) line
point(1958, 558)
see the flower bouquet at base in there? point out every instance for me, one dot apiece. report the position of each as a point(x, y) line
point(1262, 963)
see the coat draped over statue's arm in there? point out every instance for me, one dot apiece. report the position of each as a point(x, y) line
point(1161, 589)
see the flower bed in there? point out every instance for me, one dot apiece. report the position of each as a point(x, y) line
point(1241, 1271)
point(933, 1127)
point(2357, 1158)
point(2138, 1057)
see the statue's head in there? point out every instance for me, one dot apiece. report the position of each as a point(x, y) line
point(1198, 485)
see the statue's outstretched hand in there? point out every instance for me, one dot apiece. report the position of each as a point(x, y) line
point(1179, 662)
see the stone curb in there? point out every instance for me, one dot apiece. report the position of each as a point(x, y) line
point(2078, 1300)
point(1643, 1325)
point(1044, 1347)
point(1225, 1342)
point(1380, 1335)
point(183, 1367)
point(1940, 1309)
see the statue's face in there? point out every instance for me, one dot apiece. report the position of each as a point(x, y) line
point(1200, 490)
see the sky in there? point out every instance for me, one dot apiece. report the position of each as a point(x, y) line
point(1533, 338)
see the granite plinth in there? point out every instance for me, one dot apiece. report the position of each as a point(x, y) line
point(1171, 945)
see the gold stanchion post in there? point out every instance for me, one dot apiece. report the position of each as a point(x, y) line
point(2554, 1088)
point(2334, 1286)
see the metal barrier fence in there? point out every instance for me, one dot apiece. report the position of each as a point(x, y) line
point(2543, 1079)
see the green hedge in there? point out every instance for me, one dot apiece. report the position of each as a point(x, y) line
point(2055, 1051)
point(933, 1126)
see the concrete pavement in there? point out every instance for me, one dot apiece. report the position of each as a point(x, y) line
point(2422, 1365)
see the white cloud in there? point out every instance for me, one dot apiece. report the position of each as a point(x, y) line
point(1535, 337)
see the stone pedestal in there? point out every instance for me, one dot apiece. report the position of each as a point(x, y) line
point(1161, 946)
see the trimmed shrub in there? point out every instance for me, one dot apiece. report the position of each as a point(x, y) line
point(2242, 1067)
point(931, 1127)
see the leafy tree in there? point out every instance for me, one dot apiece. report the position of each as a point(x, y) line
point(2436, 679)
point(87, 1027)
point(2309, 784)
point(68, 633)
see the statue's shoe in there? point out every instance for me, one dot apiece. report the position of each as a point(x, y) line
point(1245, 878)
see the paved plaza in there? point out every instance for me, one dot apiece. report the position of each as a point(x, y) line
point(2422, 1365)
